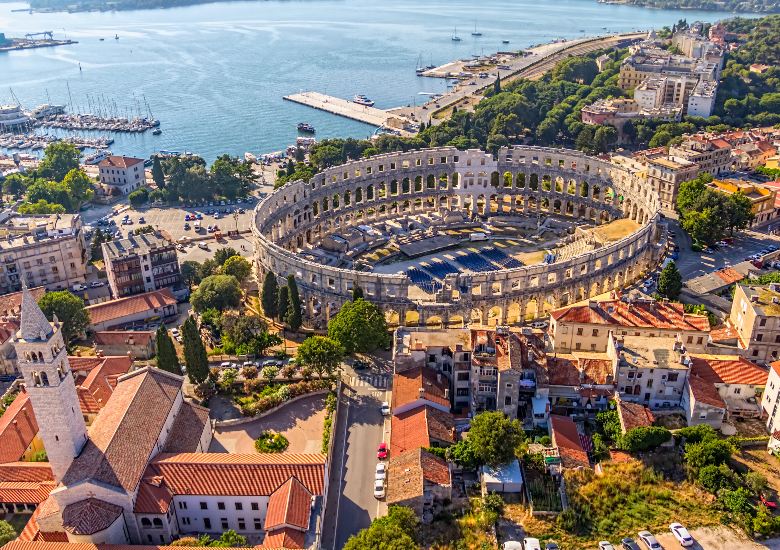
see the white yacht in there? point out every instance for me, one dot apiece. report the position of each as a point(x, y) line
point(360, 99)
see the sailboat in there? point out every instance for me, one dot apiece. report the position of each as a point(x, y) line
point(476, 32)
point(455, 37)
point(420, 69)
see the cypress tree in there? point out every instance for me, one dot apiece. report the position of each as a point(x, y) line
point(294, 318)
point(167, 359)
point(194, 352)
point(270, 296)
point(357, 293)
point(497, 85)
point(283, 303)
point(157, 173)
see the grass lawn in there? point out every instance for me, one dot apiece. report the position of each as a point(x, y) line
point(616, 230)
point(628, 498)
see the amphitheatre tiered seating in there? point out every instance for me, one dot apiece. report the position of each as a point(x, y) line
point(474, 262)
point(498, 257)
point(440, 268)
point(421, 279)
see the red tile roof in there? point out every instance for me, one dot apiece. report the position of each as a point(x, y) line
point(634, 415)
point(153, 496)
point(11, 304)
point(282, 539)
point(723, 333)
point(775, 367)
point(566, 437)
point(408, 472)
point(115, 161)
point(18, 428)
point(416, 428)
point(32, 531)
point(407, 386)
point(705, 392)
point(116, 310)
point(729, 275)
point(237, 474)
point(728, 369)
point(26, 471)
point(121, 337)
point(126, 430)
point(663, 315)
point(289, 506)
point(187, 428)
point(99, 384)
point(25, 492)
point(89, 516)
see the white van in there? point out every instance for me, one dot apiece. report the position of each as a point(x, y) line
point(531, 543)
point(478, 236)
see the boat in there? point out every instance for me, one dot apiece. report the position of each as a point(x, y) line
point(306, 127)
point(360, 99)
point(102, 39)
point(476, 32)
point(455, 37)
point(95, 158)
point(505, 41)
point(116, 37)
point(156, 132)
point(420, 68)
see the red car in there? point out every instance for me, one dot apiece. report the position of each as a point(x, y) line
point(768, 503)
point(381, 452)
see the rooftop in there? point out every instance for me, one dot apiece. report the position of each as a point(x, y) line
point(765, 300)
point(728, 369)
point(134, 245)
point(289, 506)
point(11, 304)
point(123, 337)
point(651, 352)
point(705, 392)
point(408, 472)
point(633, 415)
point(419, 383)
point(114, 161)
point(566, 437)
point(636, 314)
point(418, 427)
point(18, 428)
point(89, 516)
point(114, 310)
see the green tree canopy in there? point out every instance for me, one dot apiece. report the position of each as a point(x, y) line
point(190, 272)
point(322, 354)
point(79, 185)
point(69, 309)
point(42, 206)
point(494, 438)
point(222, 254)
point(283, 302)
point(59, 158)
point(238, 267)
point(167, 359)
point(157, 173)
point(294, 315)
point(670, 281)
point(360, 327)
point(7, 532)
point(217, 291)
point(194, 352)
point(269, 297)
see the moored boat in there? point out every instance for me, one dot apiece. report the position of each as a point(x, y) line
point(360, 99)
point(306, 127)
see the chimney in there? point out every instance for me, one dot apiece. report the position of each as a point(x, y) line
point(754, 298)
point(438, 377)
point(421, 392)
point(446, 393)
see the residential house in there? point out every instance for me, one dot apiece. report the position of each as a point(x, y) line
point(134, 311)
point(739, 382)
point(121, 175)
point(138, 344)
point(633, 415)
point(755, 315)
point(142, 263)
point(420, 481)
point(566, 439)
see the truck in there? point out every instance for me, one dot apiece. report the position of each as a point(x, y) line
point(478, 236)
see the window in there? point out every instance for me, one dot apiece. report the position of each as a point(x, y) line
point(207, 523)
point(241, 524)
point(578, 345)
point(737, 391)
point(220, 505)
point(631, 375)
point(579, 331)
point(185, 521)
point(182, 505)
point(508, 400)
point(239, 506)
point(258, 525)
point(145, 522)
point(759, 337)
point(157, 522)
point(595, 332)
point(672, 377)
point(690, 339)
point(204, 506)
point(699, 340)
point(255, 506)
point(224, 523)
point(762, 323)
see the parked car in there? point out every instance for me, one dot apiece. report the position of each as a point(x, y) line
point(385, 408)
point(650, 542)
point(381, 471)
point(539, 324)
point(379, 488)
point(605, 545)
point(198, 216)
point(551, 546)
point(530, 543)
point(203, 246)
point(186, 227)
point(96, 284)
point(381, 452)
point(187, 218)
point(512, 545)
point(175, 332)
point(141, 220)
point(359, 364)
point(79, 287)
point(768, 503)
point(681, 534)
point(629, 544)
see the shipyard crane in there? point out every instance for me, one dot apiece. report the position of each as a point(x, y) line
point(45, 34)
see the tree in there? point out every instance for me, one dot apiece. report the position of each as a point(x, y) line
point(138, 197)
point(157, 173)
point(283, 302)
point(240, 328)
point(670, 281)
point(79, 185)
point(359, 326)
point(381, 535)
point(217, 291)
point(497, 84)
point(357, 293)
point(15, 184)
point(739, 212)
point(643, 438)
point(194, 352)
point(270, 373)
point(190, 272)
point(230, 539)
point(709, 451)
point(294, 316)
point(322, 354)
point(585, 140)
point(755, 482)
point(238, 267)
point(42, 206)
point(494, 438)
point(221, 255)
point(716, 477)
point(463, 454)
point(167, 359)
point(7, 532)
point(59, 158)
point(403, 517)
point(70, 311)
point(269, 297)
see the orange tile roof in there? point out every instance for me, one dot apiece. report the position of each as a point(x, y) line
point(115, 161)
point(563, 371)
point(289, 506)
point(101, 380)
point(407, 386)
point(11, 304)
point(282, 539)
point(118, 309)
point(153, 496)
point(634, 415)
point(18, 428)
point(728, 369)
point(704, 391)
point(187, 429)
point(408, 472)
point(663, 315)
point(120, 337)
point(126, 430)
point(775, 367)
point(237, 474)
point(32, 532)
point(723, 333)
point(89, 516)
point(25, 492)
point(566, 437)
point(26, 471)
point(416, 428)
point(729, 275)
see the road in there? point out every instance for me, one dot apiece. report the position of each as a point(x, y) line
point(358, 432)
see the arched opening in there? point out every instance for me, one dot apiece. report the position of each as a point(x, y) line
point(456, 321)
point(391, 316)
point(412, 319)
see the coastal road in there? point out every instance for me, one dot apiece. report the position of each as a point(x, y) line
point(358, 432)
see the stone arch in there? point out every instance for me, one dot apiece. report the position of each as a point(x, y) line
point(508, 179)
point(514, 314)
point(392, 317)
point(476, 316)
point(520, 180)
point(456, 321)
point(412, 318)
point(534, 182)
point(495, 316)
point(434, 321)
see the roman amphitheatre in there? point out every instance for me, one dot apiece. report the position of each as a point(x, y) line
point(442, 237)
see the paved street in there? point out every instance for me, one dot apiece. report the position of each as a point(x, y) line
point(359, 430)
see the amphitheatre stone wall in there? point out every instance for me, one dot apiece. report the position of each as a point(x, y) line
point(519, 181)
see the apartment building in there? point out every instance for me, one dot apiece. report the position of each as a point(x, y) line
point(711, 154)
point(755, 316)
point(588, 327)
point(762, 198)
point(47, 251)
point(770, 405)
point(141, 263)
point(121, 175)
point(701, 100)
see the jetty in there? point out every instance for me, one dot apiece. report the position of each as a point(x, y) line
point(348, 109)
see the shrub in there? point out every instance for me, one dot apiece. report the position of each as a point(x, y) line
point(644, 438)
point(695, 434)
point(289, 370)
point(714, 478)
point(249, 372)
point(271, 442)
point(709, 451)
point(138, 197)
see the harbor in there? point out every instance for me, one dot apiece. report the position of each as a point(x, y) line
point(29, 42)
point(95, 122)
point(40, 141)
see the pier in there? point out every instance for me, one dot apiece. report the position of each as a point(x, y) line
point(348, 109)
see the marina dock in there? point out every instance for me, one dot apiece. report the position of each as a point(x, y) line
point(348, 109)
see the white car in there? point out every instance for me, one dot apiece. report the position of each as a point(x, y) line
point(385, 408)
point(650, 542)
point(512, 545)
point(530, 543)
point(381, 471)
point(605, 545)
point(175, 332)
point(96, 284)
point(79, 287)
point(681, 534)
point(379, 488)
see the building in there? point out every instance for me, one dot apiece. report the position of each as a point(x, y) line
point(701, 100)
point(150, 308)
point(665, 174)
point(617, 111)
point(762, 198)
point(750, 156)
point(13, 119)
point(18, 433)
point(424, 426)
point(587, 327)
point(755, 315)
point(580, 384)
point(121, 175)
point(770, 404)
point(47, 251)
point(10, 309)
point(633, 415)
point(138, 344)
point(566, 439)
point(650, 371)
point(141, 473)
point(710, 154)
point(507, 478)
point(740, 384)
point(419, 480)
point(695, 45)
point(141, 263)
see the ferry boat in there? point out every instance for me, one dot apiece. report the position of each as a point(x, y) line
point(306, 127)
point(95, 158)
point(360, 99)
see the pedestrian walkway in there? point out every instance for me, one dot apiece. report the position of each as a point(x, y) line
point(369, 380)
